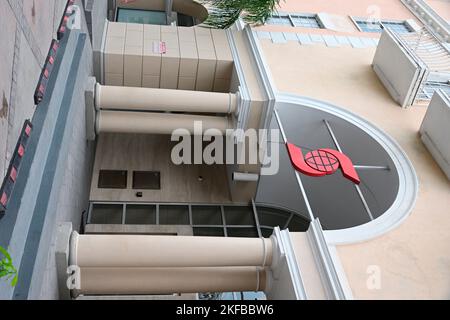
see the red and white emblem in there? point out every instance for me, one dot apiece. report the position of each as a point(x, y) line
point(322, 162)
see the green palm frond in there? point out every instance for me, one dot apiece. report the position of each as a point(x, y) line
point(223, 13)
point(7, 269)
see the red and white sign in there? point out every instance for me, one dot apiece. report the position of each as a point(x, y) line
point(322, 162)
point(4, 199)
point(159, 47)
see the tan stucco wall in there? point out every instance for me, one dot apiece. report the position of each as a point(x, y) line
point(414, 258)
point(342, 10)
point(441, 7)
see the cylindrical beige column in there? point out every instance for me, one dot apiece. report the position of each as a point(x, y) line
point(150, 99)
point(168, 251)
point(134, 281)
point(157, 123)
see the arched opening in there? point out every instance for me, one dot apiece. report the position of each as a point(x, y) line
point(348, 211)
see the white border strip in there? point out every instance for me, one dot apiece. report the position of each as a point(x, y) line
point(326, 264)
point(102, 52)
point(242, 117)
point(287, 249)
point(265, 76)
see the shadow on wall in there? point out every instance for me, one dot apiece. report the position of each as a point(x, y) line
point(4, 107)
point(186, 7)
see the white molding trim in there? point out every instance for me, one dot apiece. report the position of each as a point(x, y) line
point(408, 182)
point(352, 19)
point(340, 273)
point(330, 268)
point(239, 24)
point(242, 116)
point(102, 52)
point(265, 75)
point(429, 17)
point(285, 255)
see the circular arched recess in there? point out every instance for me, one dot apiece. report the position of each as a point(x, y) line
point(402, 201)
point(185, 7)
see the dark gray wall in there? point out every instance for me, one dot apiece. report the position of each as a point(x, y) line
point(282, 189)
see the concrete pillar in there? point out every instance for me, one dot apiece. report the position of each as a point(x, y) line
point(141, 251)
point(149, 99)
point(62, 254)
point(132, 281)
point(156, 123)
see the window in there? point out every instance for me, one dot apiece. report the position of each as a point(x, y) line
point(208, 232)
point(207, 215)
point(378, 26)
point(140, 214)
point(205, 220)
point(306, 21)
point(399, 27)
point(174, 215)
point(106, 214)
point(112, 179)
point(279, 20)
point(296, 20)
point(239, 216)
point(141, 16)
point(146, 180)
point(366, 26)
point(242, 232)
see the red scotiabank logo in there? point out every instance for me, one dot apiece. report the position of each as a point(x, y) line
point(322, 162)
